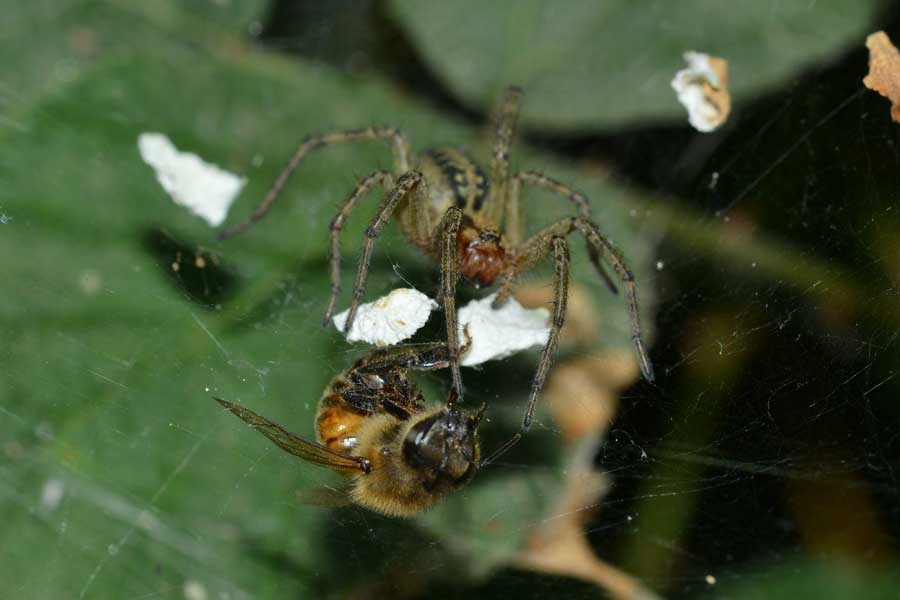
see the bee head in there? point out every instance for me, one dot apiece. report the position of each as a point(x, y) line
point(444, 447)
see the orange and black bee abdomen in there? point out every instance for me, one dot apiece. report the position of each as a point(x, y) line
point(337, 422)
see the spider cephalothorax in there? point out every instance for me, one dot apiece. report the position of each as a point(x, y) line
point(482, 257)
point(473, 224)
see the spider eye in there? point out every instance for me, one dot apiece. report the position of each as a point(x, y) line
point(489, 235)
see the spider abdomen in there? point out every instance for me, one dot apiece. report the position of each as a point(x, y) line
point(453, 180)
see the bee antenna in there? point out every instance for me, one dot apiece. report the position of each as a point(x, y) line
point(500, 451)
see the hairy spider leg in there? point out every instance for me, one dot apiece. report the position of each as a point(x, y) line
point(411, 182)
point(560, 249)
point(504, 130)
point(363, 187)
point(590, 231)
point(535, 249)
point(399, 148)
point(515, 216)
point(449, 258)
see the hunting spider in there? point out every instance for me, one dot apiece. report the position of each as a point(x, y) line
point(449, 209)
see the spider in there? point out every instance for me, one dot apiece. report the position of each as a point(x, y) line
point(453, 212)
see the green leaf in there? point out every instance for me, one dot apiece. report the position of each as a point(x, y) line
point(110, 364)
point(42, 57)
point(238, 16)
point(604, 64)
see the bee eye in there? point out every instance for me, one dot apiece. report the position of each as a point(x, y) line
point(416, 449)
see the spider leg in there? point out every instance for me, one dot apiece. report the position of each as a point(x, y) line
point(515, 214)
point(589, 229)
point(505, 289)
point(399, 147)
point(363, 187)
point(411, 182)
point(532, 251)
point(505, 118)
point(416, 219)
point(449, 277)
point(560, 248)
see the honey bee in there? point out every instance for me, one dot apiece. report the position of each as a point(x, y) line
point(372, 425)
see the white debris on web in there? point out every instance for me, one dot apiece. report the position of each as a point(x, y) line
point(703, 90)
point(493, 333)
point(52, 494)
point(497, 333)
point(390, 319)
point(203, 188)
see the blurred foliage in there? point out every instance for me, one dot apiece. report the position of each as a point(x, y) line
point(803, 578)
point(619, 57)
point(48, 43)
point(112, 354)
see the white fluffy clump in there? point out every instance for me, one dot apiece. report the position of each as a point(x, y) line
point(203, 188)
point(703, 90)
point(497, 333)
point(390, 319)
point(493, 333)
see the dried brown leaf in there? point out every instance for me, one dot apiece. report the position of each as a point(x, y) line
point(702, 88)
point(582, 393)
point(884, 70)
point(582, 398)
point(558, 546)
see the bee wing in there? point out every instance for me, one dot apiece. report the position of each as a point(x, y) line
point(325, 496)
point(296, 445)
